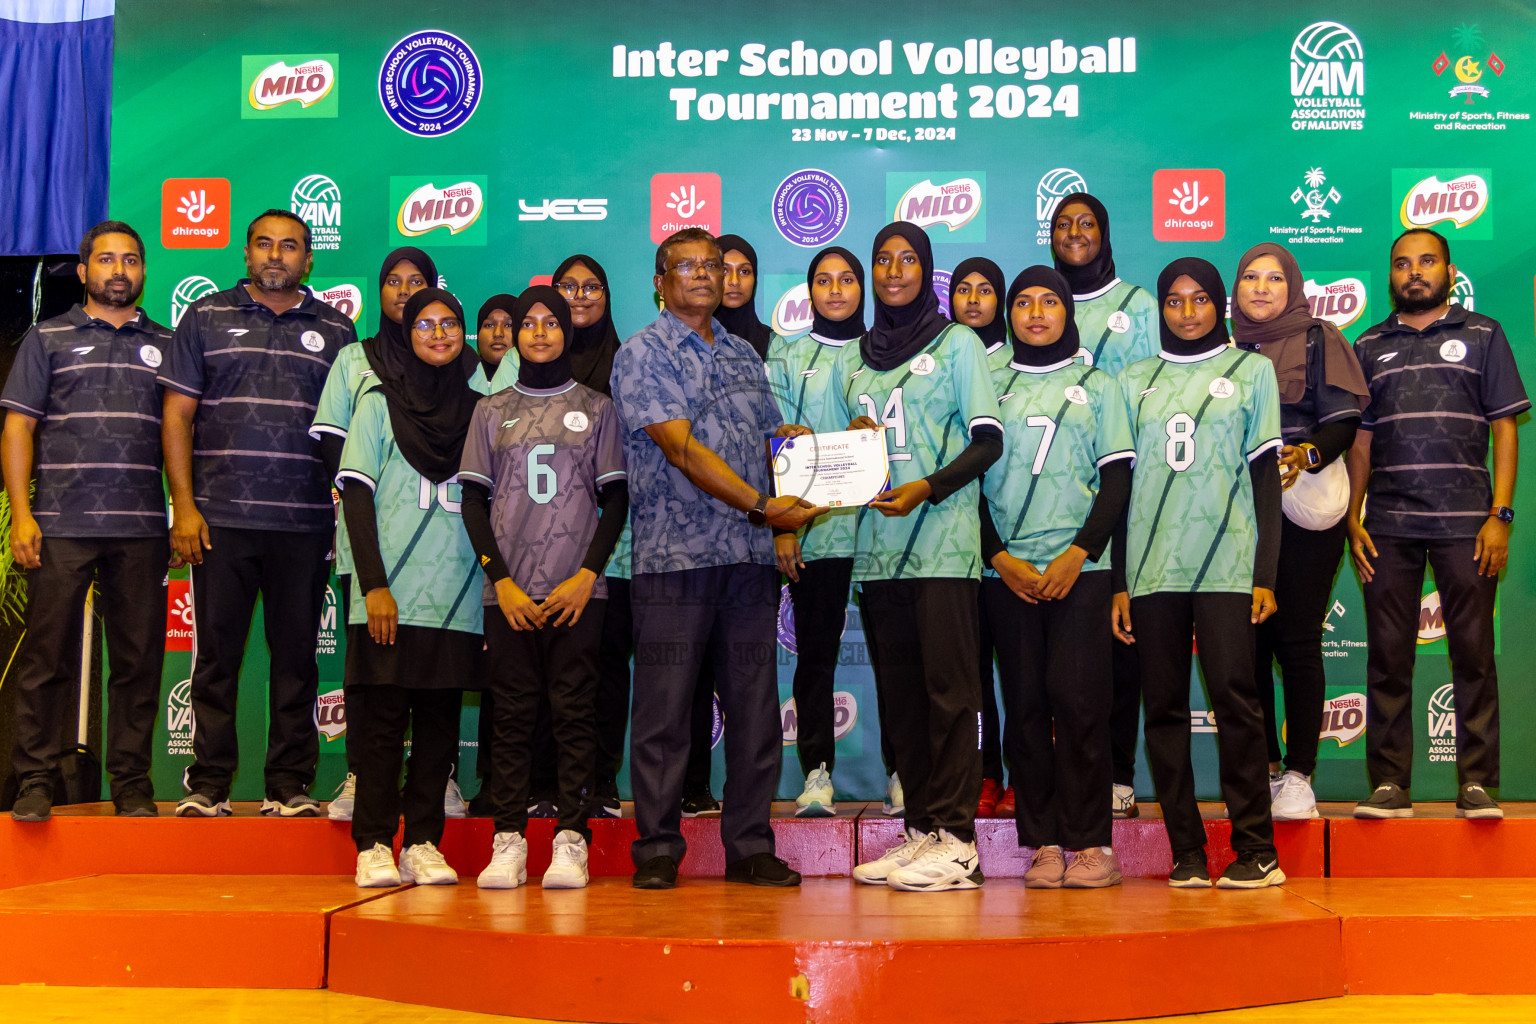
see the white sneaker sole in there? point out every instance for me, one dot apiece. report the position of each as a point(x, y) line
point(1275, 877)
point(566, 882)
point(410, 879)
point(870, 879)
point(1190, 883)
point(186, 809)
point(1284, 816)
point(817, 809)
point(952, 884)
point(273, 809)
point(500, 881)
point(1380, 814)
point(1481, 814)
point(376, 883)
point(338, 813)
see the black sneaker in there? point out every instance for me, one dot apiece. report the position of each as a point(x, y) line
point(1252, 871)
point(656, 873)
point(35, 800)
point(701, 805)
point(606, 803)
point(543, 809)
point(762, 869)
point(1189, 871)
point(1473, 802)
point(135, 804)
point(204, 803)
point(1388, 801)
point(291, 804)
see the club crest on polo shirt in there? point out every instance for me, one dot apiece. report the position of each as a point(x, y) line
point(924, 364)
point(576, 420)
point(150, 355)
point(1119, 321)
point(1453, 351)
point(1222, 388)
point(1076, 395)
point(314, 341)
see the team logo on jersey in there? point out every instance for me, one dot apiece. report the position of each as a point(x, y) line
point(430, 83)
point(510, 423)
point(576, 421)
point(810, 208)
point(1340, 301)
point(150, 355)
point(1076, 395)
point(1460, 199)
point(331, 714)
point(1389, 355)
point(423, 207)
point(1463, 292)
point(1222, 388)
point(187, 291)
point(923, 365)
point(1147, 391)
point(1054, 185)
point(1119, 321)
point(316, 200)
point(1005, 398)
point(290, 86)
point(314, 341)
point(1453, 351)
point(83, 349)
point(1327, 79)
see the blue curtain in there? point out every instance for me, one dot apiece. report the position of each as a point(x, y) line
point(56, 94)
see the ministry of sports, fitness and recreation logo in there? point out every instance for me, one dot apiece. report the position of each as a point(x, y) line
point(316, 200)
point(1470, 67)
point(954, 201)
point(1315, 202)
point(810, 208)
point(1340, 301)
point(187, 291)
point(1327, 79)
point(845, 715)
point(1435, 197)
point(289, 85)
point(424, 206)
point(331, 714)
point(1055, 185)
point(180, 723)
point(430, 83)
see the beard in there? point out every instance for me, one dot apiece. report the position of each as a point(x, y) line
point(1421, 302)
point(273, 277)
point(114, 293)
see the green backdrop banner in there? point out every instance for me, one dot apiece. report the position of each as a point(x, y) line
point(503, 143)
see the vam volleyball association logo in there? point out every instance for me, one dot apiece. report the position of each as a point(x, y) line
point(187, 291)
point(1327, 78)
point(430, 83)
point(810, 208)
point(316, 200)
point(290, 85)
point(1055, 184)
point(1462, 292)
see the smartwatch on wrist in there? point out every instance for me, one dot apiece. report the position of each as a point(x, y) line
point(758, 514)
point(1503, 513)
point(1314, 457)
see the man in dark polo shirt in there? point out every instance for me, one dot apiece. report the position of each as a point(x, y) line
point(251, 507)
point(83, 389)
point(696, 410)
point(1442, 378)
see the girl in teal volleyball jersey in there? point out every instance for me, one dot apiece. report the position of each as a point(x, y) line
point(819, 559)
point(1049, 510)
point(918, 555)
point(414, 633)
point(1202, 543)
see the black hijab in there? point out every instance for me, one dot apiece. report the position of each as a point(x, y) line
point(1209, 279)
point(390, 348)
point(430, 406)
point(543, 376)
point(592, 348)
point(742, 321)
point(901, 332)
point(1064, 347)
point(1098, 272)
point(837, 330)
point(996, 332)
point(504, 303)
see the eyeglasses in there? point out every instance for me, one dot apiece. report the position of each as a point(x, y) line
point(430, 327)
point(691, 268)
point(587, 291)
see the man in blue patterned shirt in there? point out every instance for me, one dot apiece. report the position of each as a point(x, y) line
point(696, 411)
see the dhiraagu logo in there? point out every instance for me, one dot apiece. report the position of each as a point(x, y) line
point(289, 85)
point(949, 205)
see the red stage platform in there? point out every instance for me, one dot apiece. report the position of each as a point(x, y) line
point(89, 899)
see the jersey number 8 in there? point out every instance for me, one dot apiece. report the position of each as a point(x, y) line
point(1180, 449)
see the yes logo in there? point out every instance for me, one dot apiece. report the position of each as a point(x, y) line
point(194, 213)
point(1189, 205)
point(684, 200)
point(423, 206)
point(289, 86)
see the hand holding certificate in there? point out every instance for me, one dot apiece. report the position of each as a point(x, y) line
point(839, 469)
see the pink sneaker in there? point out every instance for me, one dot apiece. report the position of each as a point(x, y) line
point(1045, 871)
point(1093, 868)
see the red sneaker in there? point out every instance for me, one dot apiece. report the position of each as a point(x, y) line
point(1005, 805)
point(991, 789)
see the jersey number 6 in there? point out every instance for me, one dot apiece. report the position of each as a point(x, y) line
point(542, 482)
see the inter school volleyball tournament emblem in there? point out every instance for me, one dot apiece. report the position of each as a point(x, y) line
point(810, 208)
point(430, 83)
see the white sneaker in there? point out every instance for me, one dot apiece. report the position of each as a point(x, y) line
point(1294, 800)
point(817, 800)
point(508, 868)
point(568, 865)
point(876, 871)
point(342, 801)
point(424, 865)
point(895, 799)
point(1122, 802)
point(1276, 780)
point(945, 863)
point(376, 868)
point(453, 801)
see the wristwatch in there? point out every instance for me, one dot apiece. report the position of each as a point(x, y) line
point(1504, 514)
point(1314, 457)
point(758, 514)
